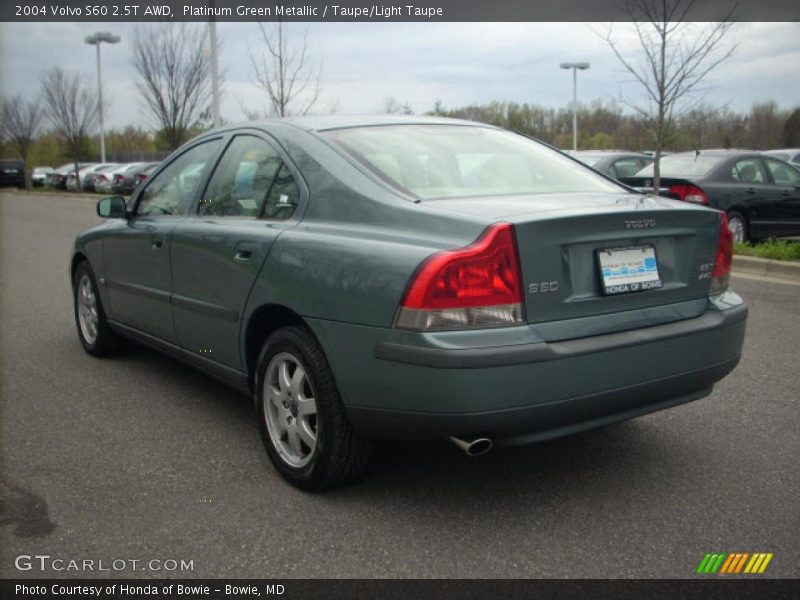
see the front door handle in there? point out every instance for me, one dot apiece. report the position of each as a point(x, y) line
point(243, 255)
point(157, 244)
point(751, 190)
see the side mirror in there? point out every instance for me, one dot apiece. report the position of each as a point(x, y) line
point(111, 208)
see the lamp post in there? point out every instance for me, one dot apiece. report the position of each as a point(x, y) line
point(575, 66)
point(95, 40)
point(212, 30)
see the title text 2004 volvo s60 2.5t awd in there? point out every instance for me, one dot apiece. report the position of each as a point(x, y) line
point(410, 278)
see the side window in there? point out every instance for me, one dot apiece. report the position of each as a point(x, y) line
point(284, 196)
point(626, 167)
point(170, 192)
point(782, 174)
point(239, 185)
point(748, 170)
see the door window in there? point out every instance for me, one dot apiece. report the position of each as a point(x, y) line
point(748, 170)
point(171, 191)
point(783, 174)
point(242, 180)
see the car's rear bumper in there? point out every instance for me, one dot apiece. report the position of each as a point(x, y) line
point(540, 422)
point(407, 387)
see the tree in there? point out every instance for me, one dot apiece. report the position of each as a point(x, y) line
point(72, 107)
point(285, 73)
point(791, 130)
point(174, 76)
point(764, 126)
point(676, 56)
point(21, 123)
point(391, 106)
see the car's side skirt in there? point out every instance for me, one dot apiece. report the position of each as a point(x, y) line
point(231, 377)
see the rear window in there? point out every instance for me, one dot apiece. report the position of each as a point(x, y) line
point(683, 165)
point(449, 161)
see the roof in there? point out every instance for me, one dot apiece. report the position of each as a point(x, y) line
point(326, 122)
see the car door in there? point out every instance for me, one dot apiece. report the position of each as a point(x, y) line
point(786, 180)
point(137, 255)
point(219, 250)
point(750, 187)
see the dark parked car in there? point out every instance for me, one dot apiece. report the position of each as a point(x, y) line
point(411, 278)
point(12, 173)
point(613, 163)
point(760, 194)
point(125, 182)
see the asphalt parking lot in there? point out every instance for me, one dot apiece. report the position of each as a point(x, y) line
point(139, 457)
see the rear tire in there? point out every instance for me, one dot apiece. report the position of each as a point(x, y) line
point(737, 223)
point(303, 423)
point(94, 332)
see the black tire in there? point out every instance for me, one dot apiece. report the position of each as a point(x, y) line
point(340, 454)
point(735, 214)
point(105, 342)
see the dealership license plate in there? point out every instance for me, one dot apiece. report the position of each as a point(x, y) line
point(631, 269)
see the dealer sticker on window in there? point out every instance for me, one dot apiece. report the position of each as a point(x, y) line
point(631, 269)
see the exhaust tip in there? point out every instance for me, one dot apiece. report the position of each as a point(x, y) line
point(474, 447)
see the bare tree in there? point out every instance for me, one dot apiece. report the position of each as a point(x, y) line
point(174, 69)
point(675, 57)
point(285, 72)
point(392, 106)
point(21, 123)
point(72, 107)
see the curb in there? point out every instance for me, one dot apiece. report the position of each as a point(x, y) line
point(780, 269)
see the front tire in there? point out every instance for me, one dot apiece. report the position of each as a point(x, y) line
point(300, 414)
point(94, 332)
point(737, 223)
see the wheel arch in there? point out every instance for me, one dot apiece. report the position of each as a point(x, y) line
point(263, 322)
point(77, 259)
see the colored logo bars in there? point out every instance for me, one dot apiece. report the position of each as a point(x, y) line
point(734, 563)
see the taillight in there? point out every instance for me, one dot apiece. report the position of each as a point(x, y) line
point(119, 178)
point(721, 276)
point(689, 193)
point(476, 286)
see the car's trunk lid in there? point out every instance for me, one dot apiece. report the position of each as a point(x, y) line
point(559, 237)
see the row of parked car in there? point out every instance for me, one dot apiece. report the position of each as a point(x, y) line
point(105, 178)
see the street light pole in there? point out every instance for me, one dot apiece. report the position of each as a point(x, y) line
point(212, 29)
point(95, 40)
point(575, 66)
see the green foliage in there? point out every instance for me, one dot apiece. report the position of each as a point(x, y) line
point(772, 248)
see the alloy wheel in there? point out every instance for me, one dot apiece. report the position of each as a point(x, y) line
point(290, 410)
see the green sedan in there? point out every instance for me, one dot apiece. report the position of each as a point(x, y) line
point(410, 278)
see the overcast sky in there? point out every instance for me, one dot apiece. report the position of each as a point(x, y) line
point(459, 63)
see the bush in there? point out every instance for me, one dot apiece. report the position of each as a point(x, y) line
point(771, 248)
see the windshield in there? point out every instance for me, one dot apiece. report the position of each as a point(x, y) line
point(449, 161)
point(682, 166)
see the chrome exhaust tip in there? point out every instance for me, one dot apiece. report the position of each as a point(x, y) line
point(474, 447)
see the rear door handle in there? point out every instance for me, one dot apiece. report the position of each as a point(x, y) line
point(751, 190)
point(157, 244)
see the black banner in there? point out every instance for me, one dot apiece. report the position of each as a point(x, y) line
point(357, 589)
point(365, 10)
